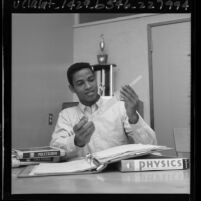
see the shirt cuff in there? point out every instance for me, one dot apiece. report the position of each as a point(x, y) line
point(66, 143)
point(70, 144)
point(137, 125)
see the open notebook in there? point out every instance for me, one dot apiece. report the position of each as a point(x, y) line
point(92, 163)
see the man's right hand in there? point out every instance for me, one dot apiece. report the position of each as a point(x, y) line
point(83, 131)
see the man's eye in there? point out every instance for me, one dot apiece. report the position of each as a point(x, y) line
point(91, 79)
point(79, 83)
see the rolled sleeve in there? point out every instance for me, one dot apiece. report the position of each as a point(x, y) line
point(63, 135)
point(140, 132)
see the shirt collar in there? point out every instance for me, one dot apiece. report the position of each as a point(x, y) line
point(98, 104)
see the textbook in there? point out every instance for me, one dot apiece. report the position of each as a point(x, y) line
point(91, 163)
point(38, 152)
point(153, 162)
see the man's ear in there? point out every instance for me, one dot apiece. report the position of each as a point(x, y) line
point(71, 88)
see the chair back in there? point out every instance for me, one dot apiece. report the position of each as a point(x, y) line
point(182, 141)
point(68, 104)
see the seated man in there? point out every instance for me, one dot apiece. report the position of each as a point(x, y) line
point(84, 129)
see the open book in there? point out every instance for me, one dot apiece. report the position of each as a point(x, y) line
point(92, 163)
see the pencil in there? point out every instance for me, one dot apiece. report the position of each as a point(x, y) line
point(89, 150)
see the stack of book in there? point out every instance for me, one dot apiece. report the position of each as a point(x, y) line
point(128, 158)
point(36, 155)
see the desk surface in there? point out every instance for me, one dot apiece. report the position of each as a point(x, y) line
point(109, 181)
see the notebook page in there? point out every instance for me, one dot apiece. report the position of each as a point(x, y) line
point(124, 150)
point(65, 167)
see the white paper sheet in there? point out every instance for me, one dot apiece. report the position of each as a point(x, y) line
point(65, 167)
point(126, 149)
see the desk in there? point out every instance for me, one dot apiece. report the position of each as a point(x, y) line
point(109, 181)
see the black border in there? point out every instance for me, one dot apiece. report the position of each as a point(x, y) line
point(7, 99)
point(101, 6)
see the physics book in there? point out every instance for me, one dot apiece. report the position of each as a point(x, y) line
point(91, 163)
point(38, 152)
point(153, 162)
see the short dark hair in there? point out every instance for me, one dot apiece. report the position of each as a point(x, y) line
point(77, 67)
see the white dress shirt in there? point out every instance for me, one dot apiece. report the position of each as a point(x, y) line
point(111, 128)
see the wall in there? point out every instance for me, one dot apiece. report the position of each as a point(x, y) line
point(127, 46)
point(88, 17)
point(42, 48)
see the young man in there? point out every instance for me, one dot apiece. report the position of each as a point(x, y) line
point(85, 128)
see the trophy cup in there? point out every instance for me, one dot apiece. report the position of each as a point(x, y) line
point(102, 57)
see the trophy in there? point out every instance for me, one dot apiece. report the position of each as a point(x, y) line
point(102, 57)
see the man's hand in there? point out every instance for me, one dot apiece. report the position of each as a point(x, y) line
point(130, 98)
point(83, 131)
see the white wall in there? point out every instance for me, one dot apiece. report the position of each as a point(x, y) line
point(42, 49)
point(127, 46)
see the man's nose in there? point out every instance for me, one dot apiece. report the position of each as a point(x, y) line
point(87, 85)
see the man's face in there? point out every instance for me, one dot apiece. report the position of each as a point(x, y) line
point(85, 86)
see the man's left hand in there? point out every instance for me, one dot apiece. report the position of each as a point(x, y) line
point(130, 98)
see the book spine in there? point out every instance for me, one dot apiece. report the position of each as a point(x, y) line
point(153, 164)
point(43, 159)
point(39, 154)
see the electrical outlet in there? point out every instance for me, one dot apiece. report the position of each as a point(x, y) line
point(50, 121)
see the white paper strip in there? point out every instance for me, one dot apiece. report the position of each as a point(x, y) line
point(116, 96)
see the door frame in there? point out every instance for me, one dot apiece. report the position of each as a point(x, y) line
point(150, 66)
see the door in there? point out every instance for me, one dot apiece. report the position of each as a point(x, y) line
point(170, 77)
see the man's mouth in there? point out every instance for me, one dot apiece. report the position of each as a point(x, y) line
point(89, 93)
